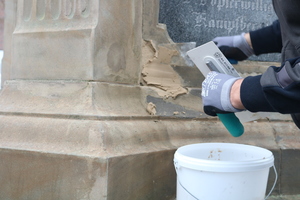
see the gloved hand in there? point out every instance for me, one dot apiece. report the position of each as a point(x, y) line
point(216, 93)
point(234, 47)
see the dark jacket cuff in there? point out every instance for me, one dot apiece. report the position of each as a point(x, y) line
point(252, 95)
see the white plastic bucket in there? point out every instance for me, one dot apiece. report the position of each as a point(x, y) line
point(222, 171)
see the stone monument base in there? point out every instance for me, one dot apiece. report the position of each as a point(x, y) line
point(48, 154)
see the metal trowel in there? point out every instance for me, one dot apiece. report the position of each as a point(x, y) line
point(208, 57)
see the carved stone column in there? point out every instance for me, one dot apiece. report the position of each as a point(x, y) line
point(76, 40)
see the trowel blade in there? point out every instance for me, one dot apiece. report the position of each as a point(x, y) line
point(208, 57)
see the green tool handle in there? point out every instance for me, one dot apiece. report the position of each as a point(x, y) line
point(232, 124)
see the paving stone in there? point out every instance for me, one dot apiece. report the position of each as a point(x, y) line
point(285, 197)
point(290, 176)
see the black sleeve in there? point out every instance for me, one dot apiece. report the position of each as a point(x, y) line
point(253, 97)
point(267, 39)
point(276, 90)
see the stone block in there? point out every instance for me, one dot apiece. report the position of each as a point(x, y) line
point(290, 176)
point(144, 176)
point(75, 40)
point(90, 158)
point(34, 175)
point(287, 137)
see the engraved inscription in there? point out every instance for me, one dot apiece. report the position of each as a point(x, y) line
point(229, 22)
point(202, 20)
point(39, 15)
point(258, 5)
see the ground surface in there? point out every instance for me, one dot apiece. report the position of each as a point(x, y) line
point(287, 197)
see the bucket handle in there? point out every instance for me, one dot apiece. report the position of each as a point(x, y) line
point(176, 168)
point(275, 181)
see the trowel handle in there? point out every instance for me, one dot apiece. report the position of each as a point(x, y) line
point(232, 61)
point(232, 124)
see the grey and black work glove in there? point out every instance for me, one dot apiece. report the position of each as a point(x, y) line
point(216, 93)
point(234, 47)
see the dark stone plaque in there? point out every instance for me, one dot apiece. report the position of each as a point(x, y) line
point(201, 20)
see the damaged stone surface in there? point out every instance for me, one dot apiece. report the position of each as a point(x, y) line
point(157, 71)
point(151, 108)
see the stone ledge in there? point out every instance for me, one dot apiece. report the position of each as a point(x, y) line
point(134, 156)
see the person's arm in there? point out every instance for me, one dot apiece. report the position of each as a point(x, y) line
point(260, 41)
point(267, 39)
point(235, 95)
point(276, 90)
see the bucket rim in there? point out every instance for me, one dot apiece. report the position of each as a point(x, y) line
point(266, 161)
